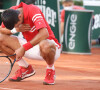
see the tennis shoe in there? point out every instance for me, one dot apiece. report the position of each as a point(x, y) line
point(22, 73)
point(50, 77)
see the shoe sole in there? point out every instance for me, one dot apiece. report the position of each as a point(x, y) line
point(26, 76)
point(45, 83)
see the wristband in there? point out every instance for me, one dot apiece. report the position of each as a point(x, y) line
point(13, 31)
point(27, 46)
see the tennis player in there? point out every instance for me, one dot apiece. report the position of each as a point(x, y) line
point(39, 43)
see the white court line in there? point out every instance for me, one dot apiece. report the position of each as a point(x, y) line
point(9, 88)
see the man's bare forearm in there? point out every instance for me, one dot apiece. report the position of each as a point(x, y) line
point(42, 35)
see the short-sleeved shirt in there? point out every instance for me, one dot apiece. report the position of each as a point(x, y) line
point(35, 18)
point(63, 12)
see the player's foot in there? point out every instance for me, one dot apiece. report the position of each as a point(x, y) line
point(22, 73)
point(50, 77)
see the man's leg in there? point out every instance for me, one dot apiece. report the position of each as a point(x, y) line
point(48, 51)
point(8, 45)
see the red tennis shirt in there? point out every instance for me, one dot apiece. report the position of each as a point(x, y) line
point(35, 18)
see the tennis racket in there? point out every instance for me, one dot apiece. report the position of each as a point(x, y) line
point(6, 66)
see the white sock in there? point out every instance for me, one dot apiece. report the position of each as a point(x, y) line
point(22, 63)
point(51, 67)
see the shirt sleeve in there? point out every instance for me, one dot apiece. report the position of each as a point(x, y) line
point(62, 15)
point(37, 18)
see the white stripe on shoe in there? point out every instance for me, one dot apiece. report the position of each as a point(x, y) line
point(28, 75)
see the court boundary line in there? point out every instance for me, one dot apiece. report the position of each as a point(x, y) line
point(9, 88)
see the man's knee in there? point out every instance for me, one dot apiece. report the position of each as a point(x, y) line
point(47, 47)
point(2, 39)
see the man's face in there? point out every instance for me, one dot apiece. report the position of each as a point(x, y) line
point(20, 16)
point(67, 4)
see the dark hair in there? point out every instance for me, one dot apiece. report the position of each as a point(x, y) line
point(29, 1)
point(10, 18)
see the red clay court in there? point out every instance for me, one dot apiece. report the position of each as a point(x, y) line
point(73, 72)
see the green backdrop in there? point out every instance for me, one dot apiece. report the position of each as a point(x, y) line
point(77, 32)
point(5, 4)
point(8, 3)
point(96, 27)
point(94, 5)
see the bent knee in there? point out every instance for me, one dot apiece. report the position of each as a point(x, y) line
point(2, 38)
point(46, 46)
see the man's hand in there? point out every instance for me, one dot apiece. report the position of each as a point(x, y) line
point(19, 53)
point(23, 28)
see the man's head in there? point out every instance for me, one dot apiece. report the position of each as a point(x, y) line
point(11, 18)
point(67, 3)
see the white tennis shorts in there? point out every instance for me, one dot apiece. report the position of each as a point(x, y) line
point(34, 53)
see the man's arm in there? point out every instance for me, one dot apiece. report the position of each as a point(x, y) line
point(62, 28)
point(62, 21)
point(40, 25)
point(42, 35)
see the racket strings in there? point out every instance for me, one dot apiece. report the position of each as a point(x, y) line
point(5, 67)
